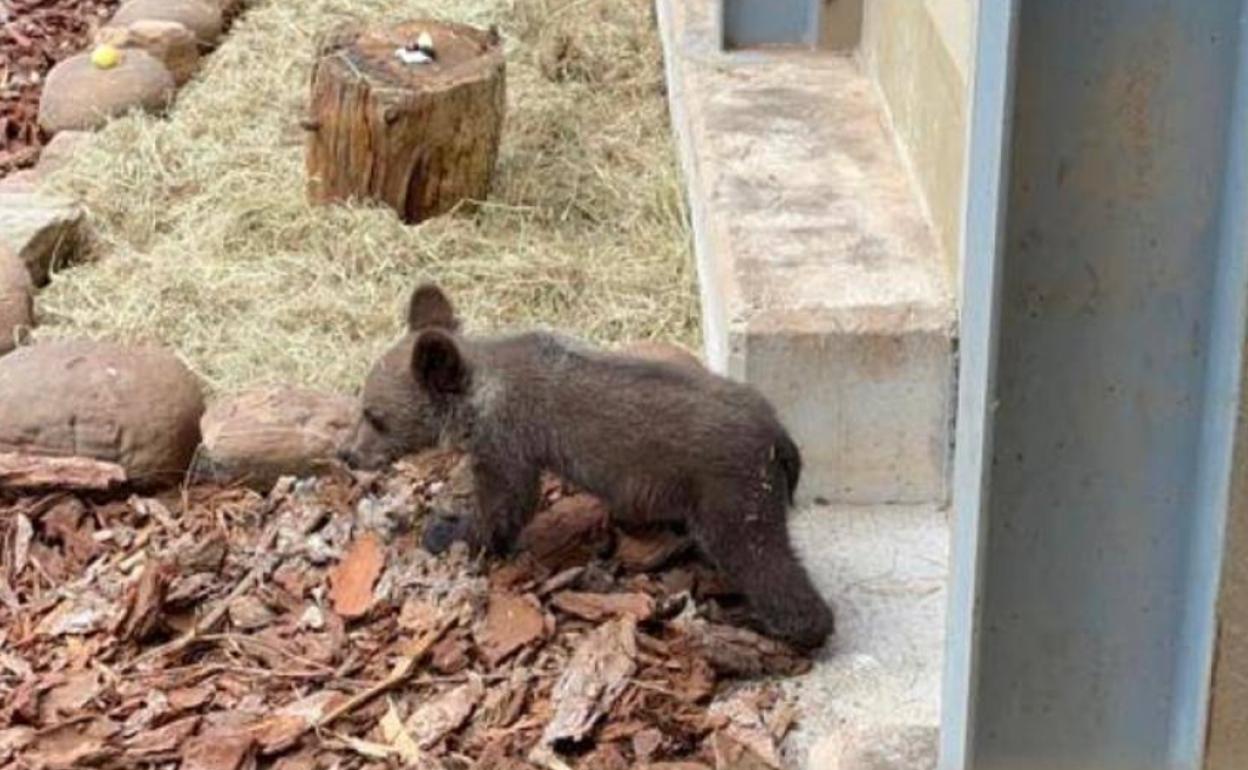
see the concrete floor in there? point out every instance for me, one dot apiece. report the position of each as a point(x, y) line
point(873, 697)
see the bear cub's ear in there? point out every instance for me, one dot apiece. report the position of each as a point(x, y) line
point(429, 308)
point(438, 364)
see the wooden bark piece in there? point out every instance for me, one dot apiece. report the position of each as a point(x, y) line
point(600, 668)
point(23, 471)
point(418, 137)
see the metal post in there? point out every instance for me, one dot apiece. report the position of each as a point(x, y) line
point(1102, 336)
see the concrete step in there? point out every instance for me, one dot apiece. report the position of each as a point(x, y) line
point(822, 282)
point(872, 700)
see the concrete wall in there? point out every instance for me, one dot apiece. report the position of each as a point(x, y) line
point(842, 24)
point(919, 53)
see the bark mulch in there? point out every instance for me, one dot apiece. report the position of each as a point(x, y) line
point(216, 628)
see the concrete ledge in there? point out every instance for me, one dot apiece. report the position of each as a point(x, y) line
point(821, 280)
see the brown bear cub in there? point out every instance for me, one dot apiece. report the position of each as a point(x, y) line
point(658, 442)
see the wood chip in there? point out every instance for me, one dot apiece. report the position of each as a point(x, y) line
point(284, 728)
point(417, 615)
point(73, 745)
point(248, 613)
point(732, 755)
point(217, 752)
point(187, 698)
point(647, 743)
point(84, 614)
point(743, 721)
point(395, 734)
point(597, 607)
point(144, 603)
point(353, 579)
point(595, 676)
point(504, 702)
point(14, 739)
point(23, 471)
point(450, 656)
point(511, 621)
point(164, 740)
point(66, 699)
point(738, 651)
point(438, 717)
point(573, 531)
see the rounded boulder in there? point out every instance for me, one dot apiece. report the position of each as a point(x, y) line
point(173, 44)
point(17, 307)
point(138, 407)
point(78, 96)
point(259, 435)
point(201, 17)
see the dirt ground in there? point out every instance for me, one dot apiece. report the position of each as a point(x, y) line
point(204, 240)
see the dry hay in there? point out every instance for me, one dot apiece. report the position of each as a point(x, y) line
point(205, 241)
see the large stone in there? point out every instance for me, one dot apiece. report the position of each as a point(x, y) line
point(138, 407)
point(259, 435)
point(78, 96)
point(169, 41)
point(60, 151)
point(44, 231)
point(17, 310)
point(24, 181)
point(202, 17)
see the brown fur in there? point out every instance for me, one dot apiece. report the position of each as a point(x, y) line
point(658, 441)
point(663, 351)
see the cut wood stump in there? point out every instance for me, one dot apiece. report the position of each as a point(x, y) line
point(416, 127)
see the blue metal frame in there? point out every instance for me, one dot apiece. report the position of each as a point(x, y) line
point(1102, 335)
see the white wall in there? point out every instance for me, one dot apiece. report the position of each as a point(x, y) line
point(954, 20)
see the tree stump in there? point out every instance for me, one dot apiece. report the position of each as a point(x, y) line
point(420, 137)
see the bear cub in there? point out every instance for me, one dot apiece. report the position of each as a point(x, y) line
point(657, 442)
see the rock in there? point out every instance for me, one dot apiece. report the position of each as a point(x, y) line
point(57, 153)
point(668, 352)
point(262, 434)
point(138, 407)
point(169, 41)
point(17, 308)
point(77, 96)
point(23, 181)
point(880, 747)
point(201, 17)
point(44, 231)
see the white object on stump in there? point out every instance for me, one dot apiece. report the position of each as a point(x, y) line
point(410, 116)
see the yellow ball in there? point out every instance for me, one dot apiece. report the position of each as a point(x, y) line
point(105, 57)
